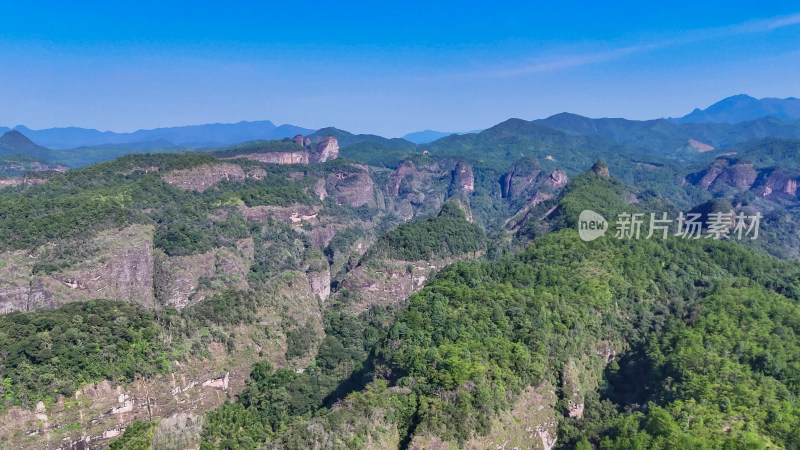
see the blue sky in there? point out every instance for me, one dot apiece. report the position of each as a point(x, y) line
point(385, 67)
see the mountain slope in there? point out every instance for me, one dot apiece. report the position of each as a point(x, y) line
point(14, 142)
point(503, 144)
point(741, 108)
point(347, 139)
point(671, 139)
point(427, 136)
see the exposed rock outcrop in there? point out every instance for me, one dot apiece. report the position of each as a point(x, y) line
point(277, 157)
point(404, 173)
point(522, 176)
point(776, 182)
point(202, 178)
point(178, 278)
point(557, 179)
point(728, 172)
point(571, 389)
point(601, 169)
point(120, 269)
point(530, 423)
point(352, 187)
point(699, 146)
point(101, 411)
point(294, 214)
point(388, 282)
point(725, 172)
point(319, 277)
point(327, 149)
point(412, 189)
point(463, 178)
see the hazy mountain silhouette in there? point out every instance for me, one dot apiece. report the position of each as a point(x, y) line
point(741, 108)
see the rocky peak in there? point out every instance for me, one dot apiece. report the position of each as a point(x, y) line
point(601, 169)
point(463, 178)
point(557, 179)
point(406, 168)
point(775, 182)
point(327, 149)
point(299, 140)
point(726, 172)
point(520, 178)
point(729, 172)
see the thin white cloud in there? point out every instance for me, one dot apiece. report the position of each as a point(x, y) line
point(766, 24)
point(572, 61)
point(758, 26)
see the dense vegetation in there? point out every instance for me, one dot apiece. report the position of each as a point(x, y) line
point(284, 145)
point(137, 436)
point(49, 353)
point(448, 234)
point(275, 399)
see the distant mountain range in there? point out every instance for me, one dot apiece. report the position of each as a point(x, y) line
point(208, 135)
point(729, 122)
point(663, 136)
point(427, 136)
point(742, 108)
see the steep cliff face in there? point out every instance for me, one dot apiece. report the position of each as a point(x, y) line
point(327, 149)
point(725, 172)
point(776, 182)
point(319, 278)
point(705, 178)
point(557, 179)
point(413, 189)
point(293, 214)
point(544, 189)
point(731, 173)
point(277, 157)
point(518, 181)
point(202, 178)
point(121, 268)
point(352, 187)
point(463, 178)
point(388, 282)
point(182, 280)
point(101, 411)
